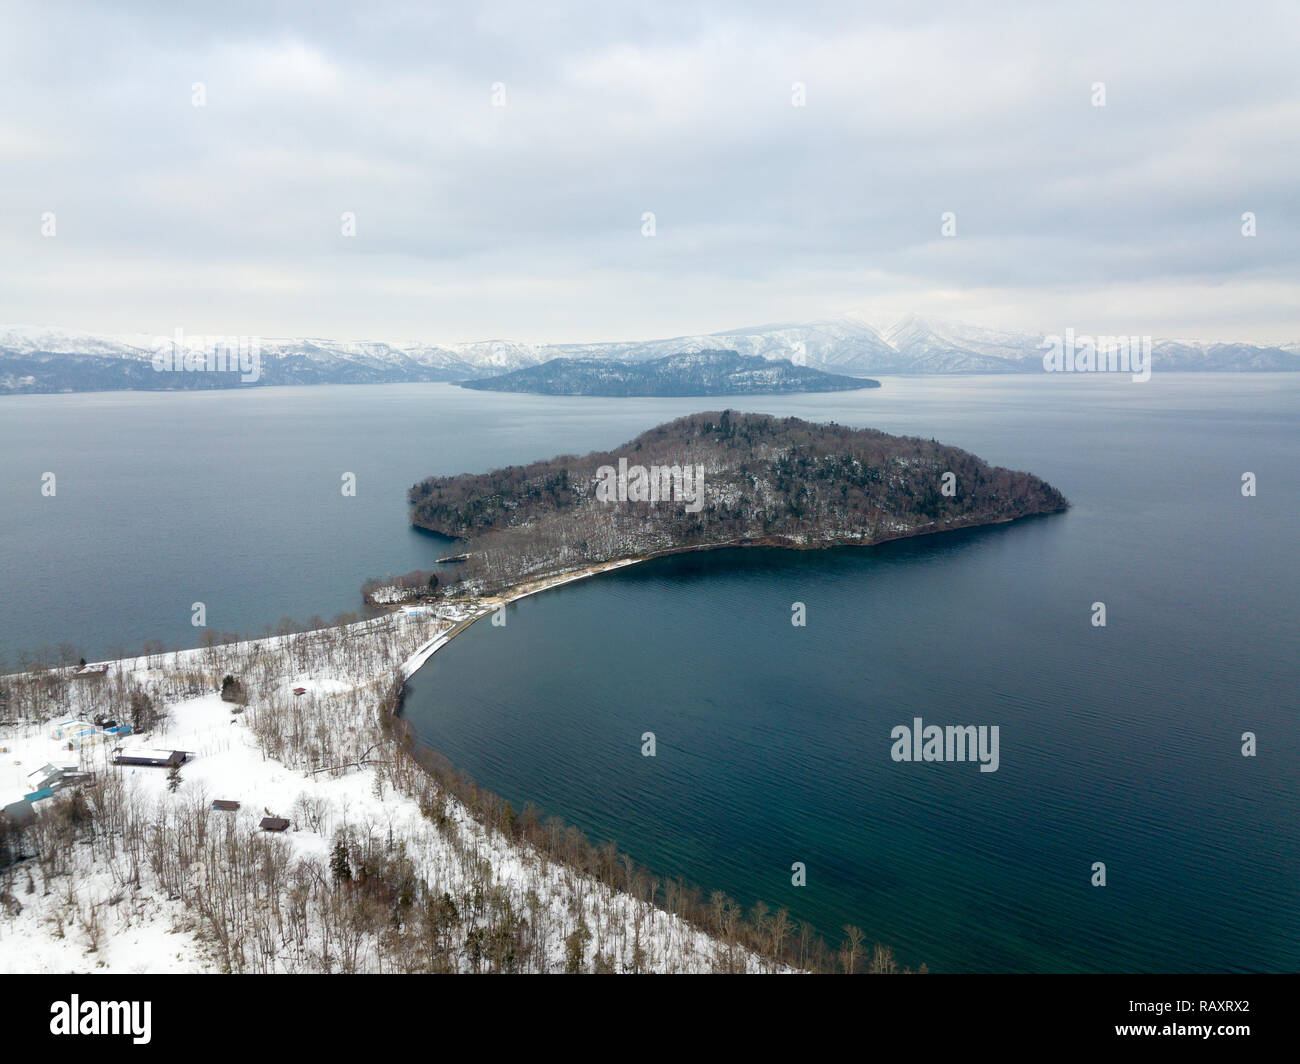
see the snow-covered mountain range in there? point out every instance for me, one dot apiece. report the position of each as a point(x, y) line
point(37, 359)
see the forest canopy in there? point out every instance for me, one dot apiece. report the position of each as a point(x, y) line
point(766, 481)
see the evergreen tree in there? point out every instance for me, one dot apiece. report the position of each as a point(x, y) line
point(575, 945)
point(339, 866)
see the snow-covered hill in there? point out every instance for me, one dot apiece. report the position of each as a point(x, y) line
point(935, 345)
point(36, 340)
point(219, 892)
point(683, 373)
point(841, 345)
point(938, 345)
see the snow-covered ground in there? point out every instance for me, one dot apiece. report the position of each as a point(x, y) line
point(152, 879)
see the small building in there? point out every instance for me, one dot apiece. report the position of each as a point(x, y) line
point(50, 779)
point(90, 672)
point(274, 823)
point(45, 777)
point(78, 733)
point(73, 729)
point(159, 760)
point(225, 806)
point(300, 690)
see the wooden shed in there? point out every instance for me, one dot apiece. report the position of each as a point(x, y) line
point(176, 757)
point(274, 823)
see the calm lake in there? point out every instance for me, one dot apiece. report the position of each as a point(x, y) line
point(1119, 744)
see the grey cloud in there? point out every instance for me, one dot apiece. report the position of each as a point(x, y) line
point(524, 222)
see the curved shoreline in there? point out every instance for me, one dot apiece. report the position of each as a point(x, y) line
point(490, 604)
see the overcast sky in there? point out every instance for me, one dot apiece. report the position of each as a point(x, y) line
point(476, 221)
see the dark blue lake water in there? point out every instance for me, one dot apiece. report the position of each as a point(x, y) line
point(1119, 744)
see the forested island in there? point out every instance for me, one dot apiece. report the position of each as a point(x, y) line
point(686, 373)
point(716, 479)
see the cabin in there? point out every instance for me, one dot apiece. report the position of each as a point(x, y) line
point(300, 690)
point(90, 672)
point(274, 823)
point(45, 776)
point(47, 780)
point(223, 805)
point(73, 729)
point(51, 777)
point(79, 733)
point(144, 760)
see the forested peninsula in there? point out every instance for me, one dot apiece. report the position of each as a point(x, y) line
point(717, 479)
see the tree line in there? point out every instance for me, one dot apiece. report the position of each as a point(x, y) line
point(774, 481)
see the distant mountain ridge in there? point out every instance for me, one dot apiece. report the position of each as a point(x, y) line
point(689, 373)
point(35, 359)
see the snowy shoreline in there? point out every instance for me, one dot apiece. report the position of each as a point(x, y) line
point(132, 868)
point(491, 604)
